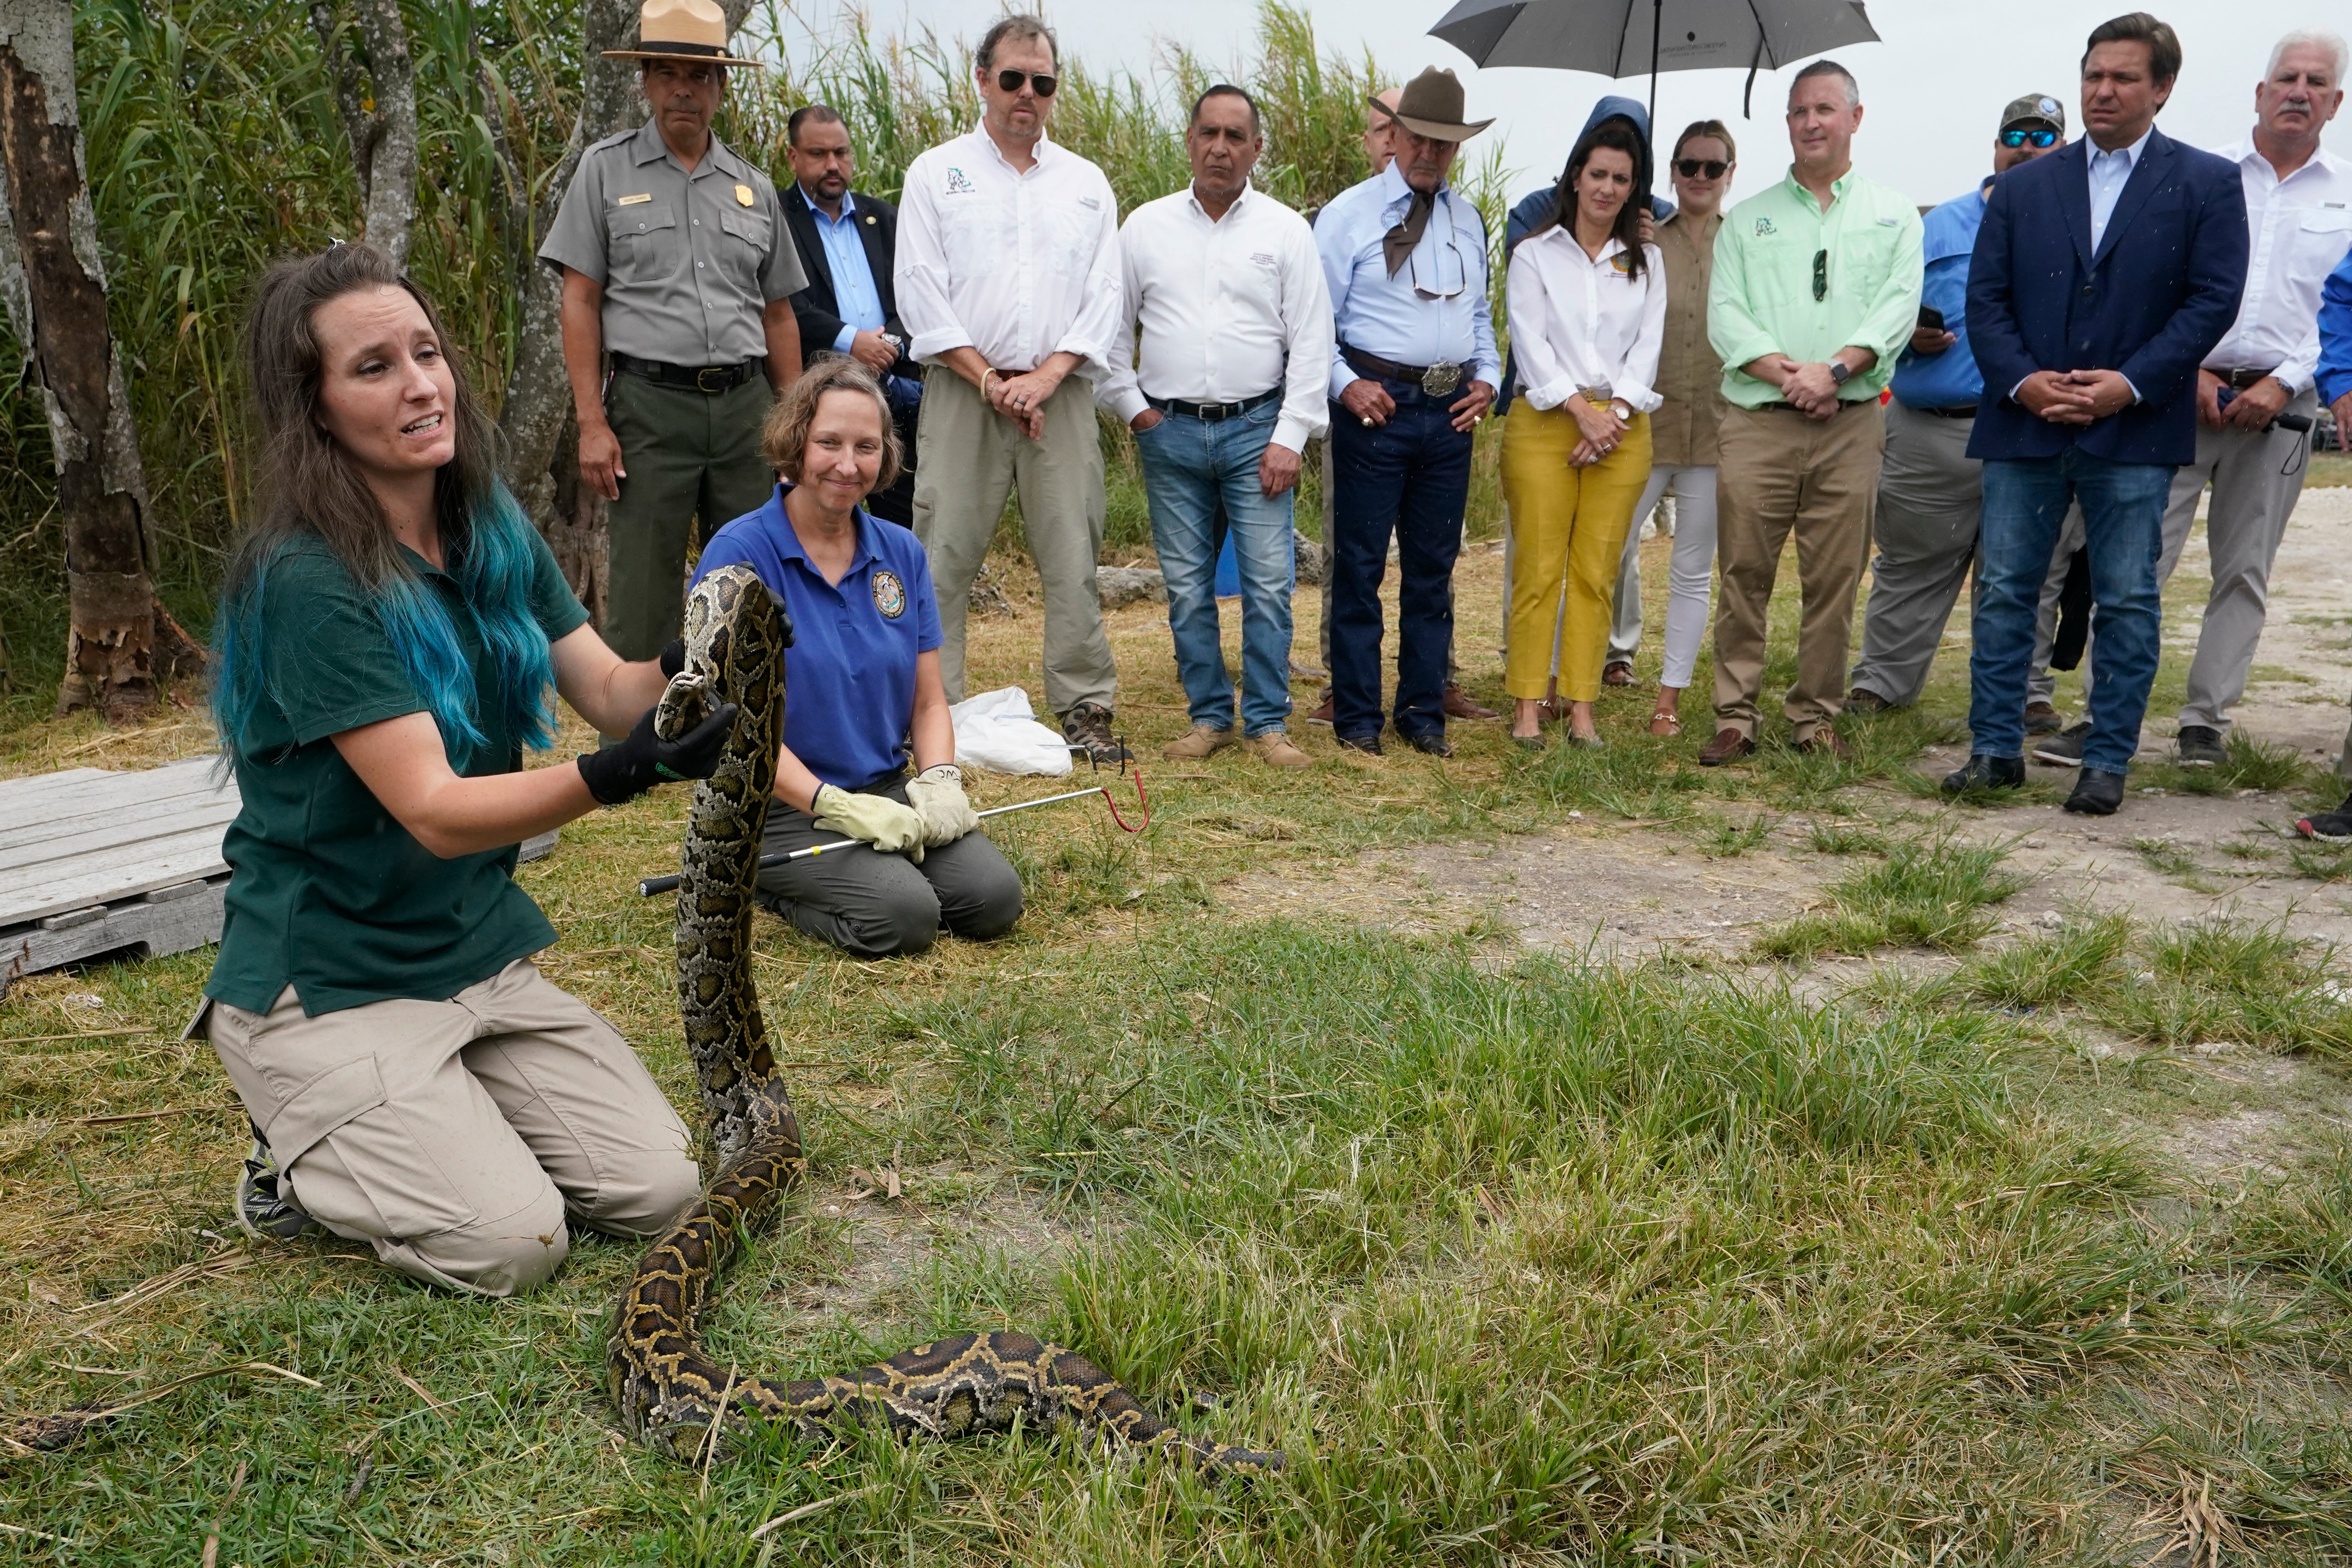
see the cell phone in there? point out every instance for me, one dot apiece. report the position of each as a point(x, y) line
point(1932, 319)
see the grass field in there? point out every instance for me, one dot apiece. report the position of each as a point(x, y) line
point(1522, 1258)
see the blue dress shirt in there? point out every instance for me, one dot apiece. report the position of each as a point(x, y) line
point(2334, 378)
point(1383, 315)
point(1950, 379)
point(2110, 172)
point(856, 300)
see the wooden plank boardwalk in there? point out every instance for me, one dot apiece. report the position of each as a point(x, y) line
point(95, 862)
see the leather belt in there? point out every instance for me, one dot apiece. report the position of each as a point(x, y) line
point(1435, 379)
point(2246, 380)
point(711, 379)
point(1783, 406)
point(1960, 411)
point(1212, 413)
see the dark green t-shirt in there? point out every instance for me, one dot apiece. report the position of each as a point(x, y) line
point(329, 893)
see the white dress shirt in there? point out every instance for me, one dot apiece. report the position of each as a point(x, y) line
point(1577, 323)
point(1231, 307)
point(1017, 264)
point(2110, 172)
point(2301, 227)
point(1434, 310)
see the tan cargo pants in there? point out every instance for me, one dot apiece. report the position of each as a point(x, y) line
point(455, 1137)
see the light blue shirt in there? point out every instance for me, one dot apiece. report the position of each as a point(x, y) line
point(1385, 316)
point(856, 300)
point(2110, 172)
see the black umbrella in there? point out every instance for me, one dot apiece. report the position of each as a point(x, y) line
point(1626, 38)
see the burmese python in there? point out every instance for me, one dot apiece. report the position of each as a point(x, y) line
point(671, 1394)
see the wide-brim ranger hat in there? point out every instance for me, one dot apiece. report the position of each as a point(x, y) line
point(1431, 106)
point(682, 30)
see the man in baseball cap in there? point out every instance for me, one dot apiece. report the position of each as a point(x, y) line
point(1929, 490)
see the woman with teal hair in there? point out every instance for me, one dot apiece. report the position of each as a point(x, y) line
point(388, 636)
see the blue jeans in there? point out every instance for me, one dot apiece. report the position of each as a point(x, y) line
point(1189, 465)
point(1410, 476)
point(2025, 501)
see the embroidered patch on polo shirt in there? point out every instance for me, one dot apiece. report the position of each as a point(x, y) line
point(957, 185)
point(1764, 226)
point(889, 595)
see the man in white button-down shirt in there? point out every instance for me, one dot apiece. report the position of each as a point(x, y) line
point(1236, 344)
point(1008, 284)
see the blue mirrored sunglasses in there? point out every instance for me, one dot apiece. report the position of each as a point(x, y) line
point(2029, 138)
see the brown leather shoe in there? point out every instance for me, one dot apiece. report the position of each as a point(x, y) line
point(1826, 741)
point(1728, 746)
point(1459, 706)
point(1617, 672)
point(1322, 715)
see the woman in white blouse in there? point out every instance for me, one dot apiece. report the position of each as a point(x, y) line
point(1588, 314)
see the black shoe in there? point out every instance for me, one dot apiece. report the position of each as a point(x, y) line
point(1987, 772)
point(1434, 743)
point(1862, 700)
point(1367, 745)
point(2096, 793)
point(2201, 746)
point(1087, 725)
point(2041, 719)
point(264, 1211)
point(2331, 826)
point(2064, 749)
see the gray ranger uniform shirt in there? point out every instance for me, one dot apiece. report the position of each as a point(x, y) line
point(686, 261)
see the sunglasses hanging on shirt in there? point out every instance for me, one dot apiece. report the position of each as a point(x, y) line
point(1041, 84)
point(1693, 168)
point(1821, 275)
point(2029, 138)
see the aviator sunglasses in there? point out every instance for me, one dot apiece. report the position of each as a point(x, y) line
point(1042, 84)
point(2029, 138)
point(1693, 168)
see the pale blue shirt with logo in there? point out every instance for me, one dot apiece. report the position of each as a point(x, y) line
point(1434, 310)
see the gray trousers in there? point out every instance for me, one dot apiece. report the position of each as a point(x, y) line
point(2256, 476)
point(969, 460)
point(1930, 495)
point(874, 905)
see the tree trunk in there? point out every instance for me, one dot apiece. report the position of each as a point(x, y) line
point(382, 131)
point(121, 646)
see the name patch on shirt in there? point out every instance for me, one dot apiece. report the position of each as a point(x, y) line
point(1090, 202)
point(1265, 258)
point(1887, 222)
point(889, 595)
point(633, 200)
point(957, 185)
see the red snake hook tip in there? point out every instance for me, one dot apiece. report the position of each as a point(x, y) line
point(1142, 803)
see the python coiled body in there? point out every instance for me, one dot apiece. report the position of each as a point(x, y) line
point(671, 1394)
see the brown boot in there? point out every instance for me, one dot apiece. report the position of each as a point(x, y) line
point(1728, 746)
point(1199, 743)
point(1274, 750)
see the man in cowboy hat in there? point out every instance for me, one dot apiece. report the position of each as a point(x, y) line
point(676, 262)
point(1414, 370)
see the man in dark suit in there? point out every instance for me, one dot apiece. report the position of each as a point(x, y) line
point(2104, 274)
point(848, 244)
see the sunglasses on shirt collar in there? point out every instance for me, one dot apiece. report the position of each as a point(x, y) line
point(1041, 84)
point(1693, 168)
point(2021, 137)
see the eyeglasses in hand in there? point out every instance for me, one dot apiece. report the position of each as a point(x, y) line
point(1692, 168)
point(1821, 275)
point(1042, 84)
point(2029, 138)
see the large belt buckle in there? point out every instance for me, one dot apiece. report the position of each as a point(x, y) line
point(703, 383)
point(1441, 380)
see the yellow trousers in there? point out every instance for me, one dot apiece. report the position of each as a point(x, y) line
point(1565, 522)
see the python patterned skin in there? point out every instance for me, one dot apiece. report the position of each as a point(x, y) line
point(671, 1395)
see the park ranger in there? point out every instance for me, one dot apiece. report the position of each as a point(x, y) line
point(678, 270)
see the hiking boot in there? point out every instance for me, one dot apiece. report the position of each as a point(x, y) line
point(1367, 745)
point(1322, 714)
point(264, 1211)
point(1986, 771)
point(1200, 742)
point(1862, 699)
point(2096, 793)
point(2041, 719)
point(1087, 724)
point(2201, 746)
point(1458, 705)
point(1274, 749)
point(1728, 746)
point(2064, 749)
point(2331, 826)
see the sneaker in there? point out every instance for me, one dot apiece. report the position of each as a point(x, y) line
point(1274, 749)
point(2041, 719)
point(1087, 725)
point(1322, 714)
point(2331, 826)
point(264, 1211)
point(2201, 746)
point(2064, 749)
point(1200, 742)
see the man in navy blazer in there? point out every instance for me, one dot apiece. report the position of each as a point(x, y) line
point(2104, 274)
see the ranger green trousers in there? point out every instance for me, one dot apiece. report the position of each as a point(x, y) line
point(686, 454)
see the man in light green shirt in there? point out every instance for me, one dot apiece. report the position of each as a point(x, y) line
point(1816, 289)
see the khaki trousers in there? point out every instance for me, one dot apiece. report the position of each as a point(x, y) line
point(970, 459)
point(455, 1137)
point(1780, 473)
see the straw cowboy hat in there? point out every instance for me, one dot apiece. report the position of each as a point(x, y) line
point(1431, 106)
point(682, 30)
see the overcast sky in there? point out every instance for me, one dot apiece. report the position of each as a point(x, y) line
point(1933, 90)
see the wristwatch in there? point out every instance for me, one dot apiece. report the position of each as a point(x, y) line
point(1840, 372)
point(1622, 409)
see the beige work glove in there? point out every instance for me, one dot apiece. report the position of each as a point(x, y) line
point(937, 794)
point(875, 819)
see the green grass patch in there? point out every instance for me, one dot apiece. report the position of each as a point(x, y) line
point(1929, 891)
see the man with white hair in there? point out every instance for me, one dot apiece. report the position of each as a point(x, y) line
point(2299, 218)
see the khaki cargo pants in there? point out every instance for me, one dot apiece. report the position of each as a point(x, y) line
point(456, 1137)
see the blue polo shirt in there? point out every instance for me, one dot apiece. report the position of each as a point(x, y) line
point(849, 676)
point(1950, 379)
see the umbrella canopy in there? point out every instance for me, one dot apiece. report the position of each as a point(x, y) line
point(1628, 38)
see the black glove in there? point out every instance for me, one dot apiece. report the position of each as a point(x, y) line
point(672, 659)
point(626, 770)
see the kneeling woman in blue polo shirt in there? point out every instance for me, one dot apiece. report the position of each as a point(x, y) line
point(868, 751)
